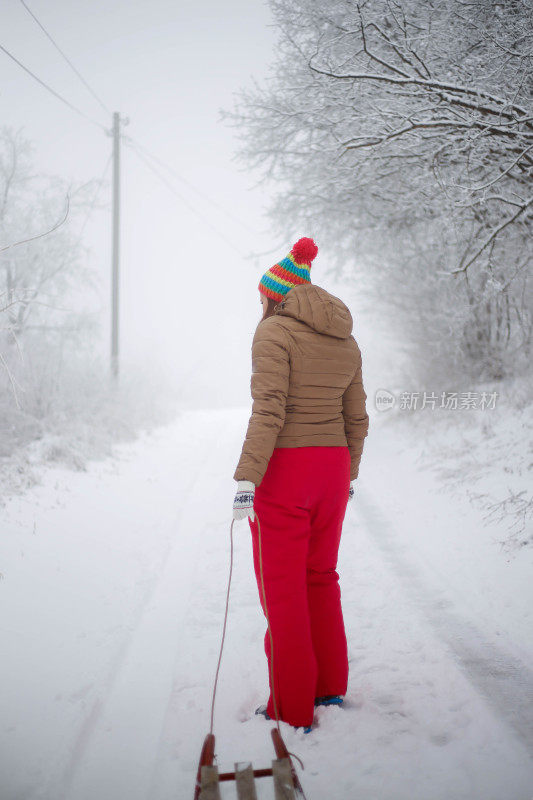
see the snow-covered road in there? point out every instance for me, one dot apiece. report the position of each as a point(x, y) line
point(113, 596)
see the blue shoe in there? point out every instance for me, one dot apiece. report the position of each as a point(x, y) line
point(262, 711)
point(329, 700)
point(306, 729)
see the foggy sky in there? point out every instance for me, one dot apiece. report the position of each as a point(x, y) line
point(169, 67)
point(189, 300)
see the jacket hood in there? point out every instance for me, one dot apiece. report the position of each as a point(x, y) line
point(319, 309)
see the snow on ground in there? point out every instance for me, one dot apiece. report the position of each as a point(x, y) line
point(484, 455)
point(113, 595)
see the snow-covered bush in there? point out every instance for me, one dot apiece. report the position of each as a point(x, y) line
point(57, 402)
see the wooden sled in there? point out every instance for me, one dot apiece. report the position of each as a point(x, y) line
point(286, 783)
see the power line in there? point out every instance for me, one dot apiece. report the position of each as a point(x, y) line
point(174, 172)
point(69, 62)
point(183, 199)
point(52, 91)
point(202, 194)
point(155, 158)
point(135, 146)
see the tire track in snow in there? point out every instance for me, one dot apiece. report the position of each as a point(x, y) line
point(504, 680)
point(192, 686)
point(92, 729)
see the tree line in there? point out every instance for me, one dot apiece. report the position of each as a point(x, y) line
point(402, 131)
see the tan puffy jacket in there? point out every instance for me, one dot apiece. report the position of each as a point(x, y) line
point(306, 382)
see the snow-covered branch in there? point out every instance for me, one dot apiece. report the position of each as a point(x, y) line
point(406, 127)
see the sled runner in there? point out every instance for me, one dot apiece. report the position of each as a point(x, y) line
point(286, 783)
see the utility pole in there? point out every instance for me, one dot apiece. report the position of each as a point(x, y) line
point(115, 247)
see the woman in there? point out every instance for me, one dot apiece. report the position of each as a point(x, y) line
point(302, 448)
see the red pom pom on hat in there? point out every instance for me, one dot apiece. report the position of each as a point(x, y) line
point(304, 251)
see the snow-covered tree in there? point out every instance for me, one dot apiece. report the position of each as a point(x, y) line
point(42, 275)
point(402, 131)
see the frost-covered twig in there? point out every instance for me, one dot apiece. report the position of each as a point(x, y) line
point(45, 233)
point(517, 506)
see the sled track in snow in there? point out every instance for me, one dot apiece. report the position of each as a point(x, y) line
point(61, 782)
point(504, 680)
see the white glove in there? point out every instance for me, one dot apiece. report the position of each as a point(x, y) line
point(243, 505)
point(351, 492)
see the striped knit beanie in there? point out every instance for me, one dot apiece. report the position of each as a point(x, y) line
point(290, 271)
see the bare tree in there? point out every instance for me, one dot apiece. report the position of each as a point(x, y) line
point(42, 271)
point(403, 131)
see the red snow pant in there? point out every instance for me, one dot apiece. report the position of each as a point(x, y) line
point(301, 504)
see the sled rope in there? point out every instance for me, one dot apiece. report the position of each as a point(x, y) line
point(226, 620)
point(269, 632)
point(224, 628)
